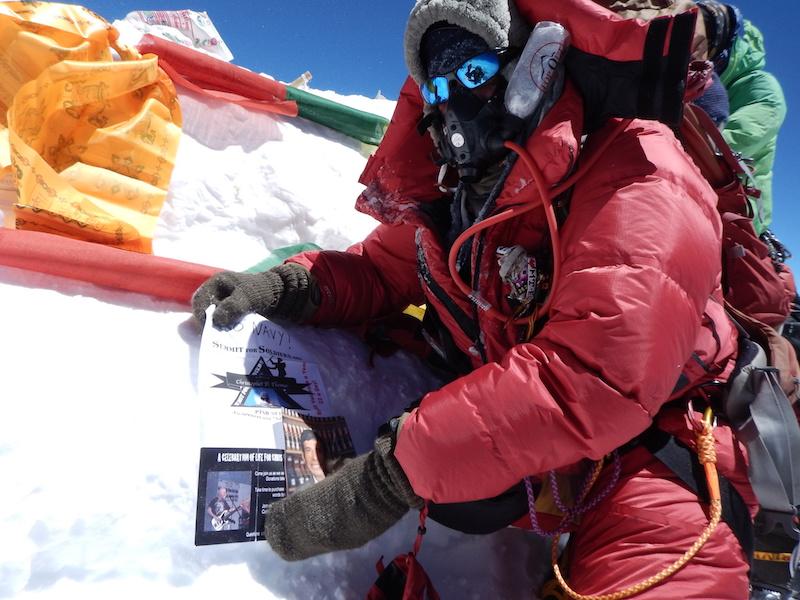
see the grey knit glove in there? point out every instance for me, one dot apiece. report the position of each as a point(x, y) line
point(345, 510)
point(287, 291)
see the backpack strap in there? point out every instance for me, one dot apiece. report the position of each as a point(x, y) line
point(699, 146)
point(765, 422)
point(718, 163)
point(708, 127)
point(651, 86)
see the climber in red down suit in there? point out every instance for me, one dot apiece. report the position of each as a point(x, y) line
point(567, 351)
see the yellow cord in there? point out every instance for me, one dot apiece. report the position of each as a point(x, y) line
point(707, 455)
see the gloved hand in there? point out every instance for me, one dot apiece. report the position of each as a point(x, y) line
point(288, 291)
point(345, 510)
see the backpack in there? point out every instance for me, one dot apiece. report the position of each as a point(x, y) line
point(758, 398)
point(758, 293)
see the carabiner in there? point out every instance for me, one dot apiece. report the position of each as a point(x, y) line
point(709, 418)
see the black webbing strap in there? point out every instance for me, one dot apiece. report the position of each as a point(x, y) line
point(650, 98)
point(663, 78)
point(652, 87)
point(674, 84)
point(684, 464)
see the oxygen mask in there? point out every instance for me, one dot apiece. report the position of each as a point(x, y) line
point(467, 116)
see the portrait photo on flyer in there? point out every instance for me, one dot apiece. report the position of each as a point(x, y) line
point(315, 448)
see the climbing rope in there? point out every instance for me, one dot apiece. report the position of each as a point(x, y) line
point(581, 505)
point(707, 454)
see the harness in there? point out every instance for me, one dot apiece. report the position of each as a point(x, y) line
point(683, 463)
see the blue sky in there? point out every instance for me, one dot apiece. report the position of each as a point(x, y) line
point(355, 47)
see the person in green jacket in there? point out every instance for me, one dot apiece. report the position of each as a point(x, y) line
point(757, 105)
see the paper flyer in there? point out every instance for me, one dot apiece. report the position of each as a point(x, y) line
point(268, 428)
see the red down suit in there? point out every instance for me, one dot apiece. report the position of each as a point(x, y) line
point(636, 320)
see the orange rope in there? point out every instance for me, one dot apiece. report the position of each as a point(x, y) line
point(707, 455)
point(596, 470)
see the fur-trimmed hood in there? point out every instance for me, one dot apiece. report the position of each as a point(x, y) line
point(496, 21)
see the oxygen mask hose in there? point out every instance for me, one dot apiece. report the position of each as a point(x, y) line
point(544, 197)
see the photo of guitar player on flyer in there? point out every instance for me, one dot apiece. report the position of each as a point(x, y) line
point(228, 510)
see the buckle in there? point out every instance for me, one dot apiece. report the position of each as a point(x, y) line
point(789, 522)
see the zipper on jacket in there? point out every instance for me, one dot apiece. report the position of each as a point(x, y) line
point(475, 315)
point(468, 327)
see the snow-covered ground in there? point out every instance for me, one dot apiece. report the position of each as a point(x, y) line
point(100, 427)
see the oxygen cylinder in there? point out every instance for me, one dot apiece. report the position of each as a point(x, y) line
point(536, 68)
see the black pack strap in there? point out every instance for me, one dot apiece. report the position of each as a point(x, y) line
point(663, 82)
point(652, 87)
point(684, 464)
point(480, 517)
point(451, 360)
point(649, 105)
point(677, 67)
point(462, 319)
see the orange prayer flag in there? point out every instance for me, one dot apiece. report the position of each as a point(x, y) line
point(92, 140)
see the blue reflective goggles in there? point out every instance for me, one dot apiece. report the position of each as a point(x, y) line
point(472, 74)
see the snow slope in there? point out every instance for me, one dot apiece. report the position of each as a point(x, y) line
point(100, 427)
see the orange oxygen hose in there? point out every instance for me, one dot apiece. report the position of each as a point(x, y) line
point(545, 198)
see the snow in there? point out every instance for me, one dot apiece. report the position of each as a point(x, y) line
point(100, 432)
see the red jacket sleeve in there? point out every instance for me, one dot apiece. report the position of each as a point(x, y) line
point(379, 275)
point(641, 250)
point(372, 278)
